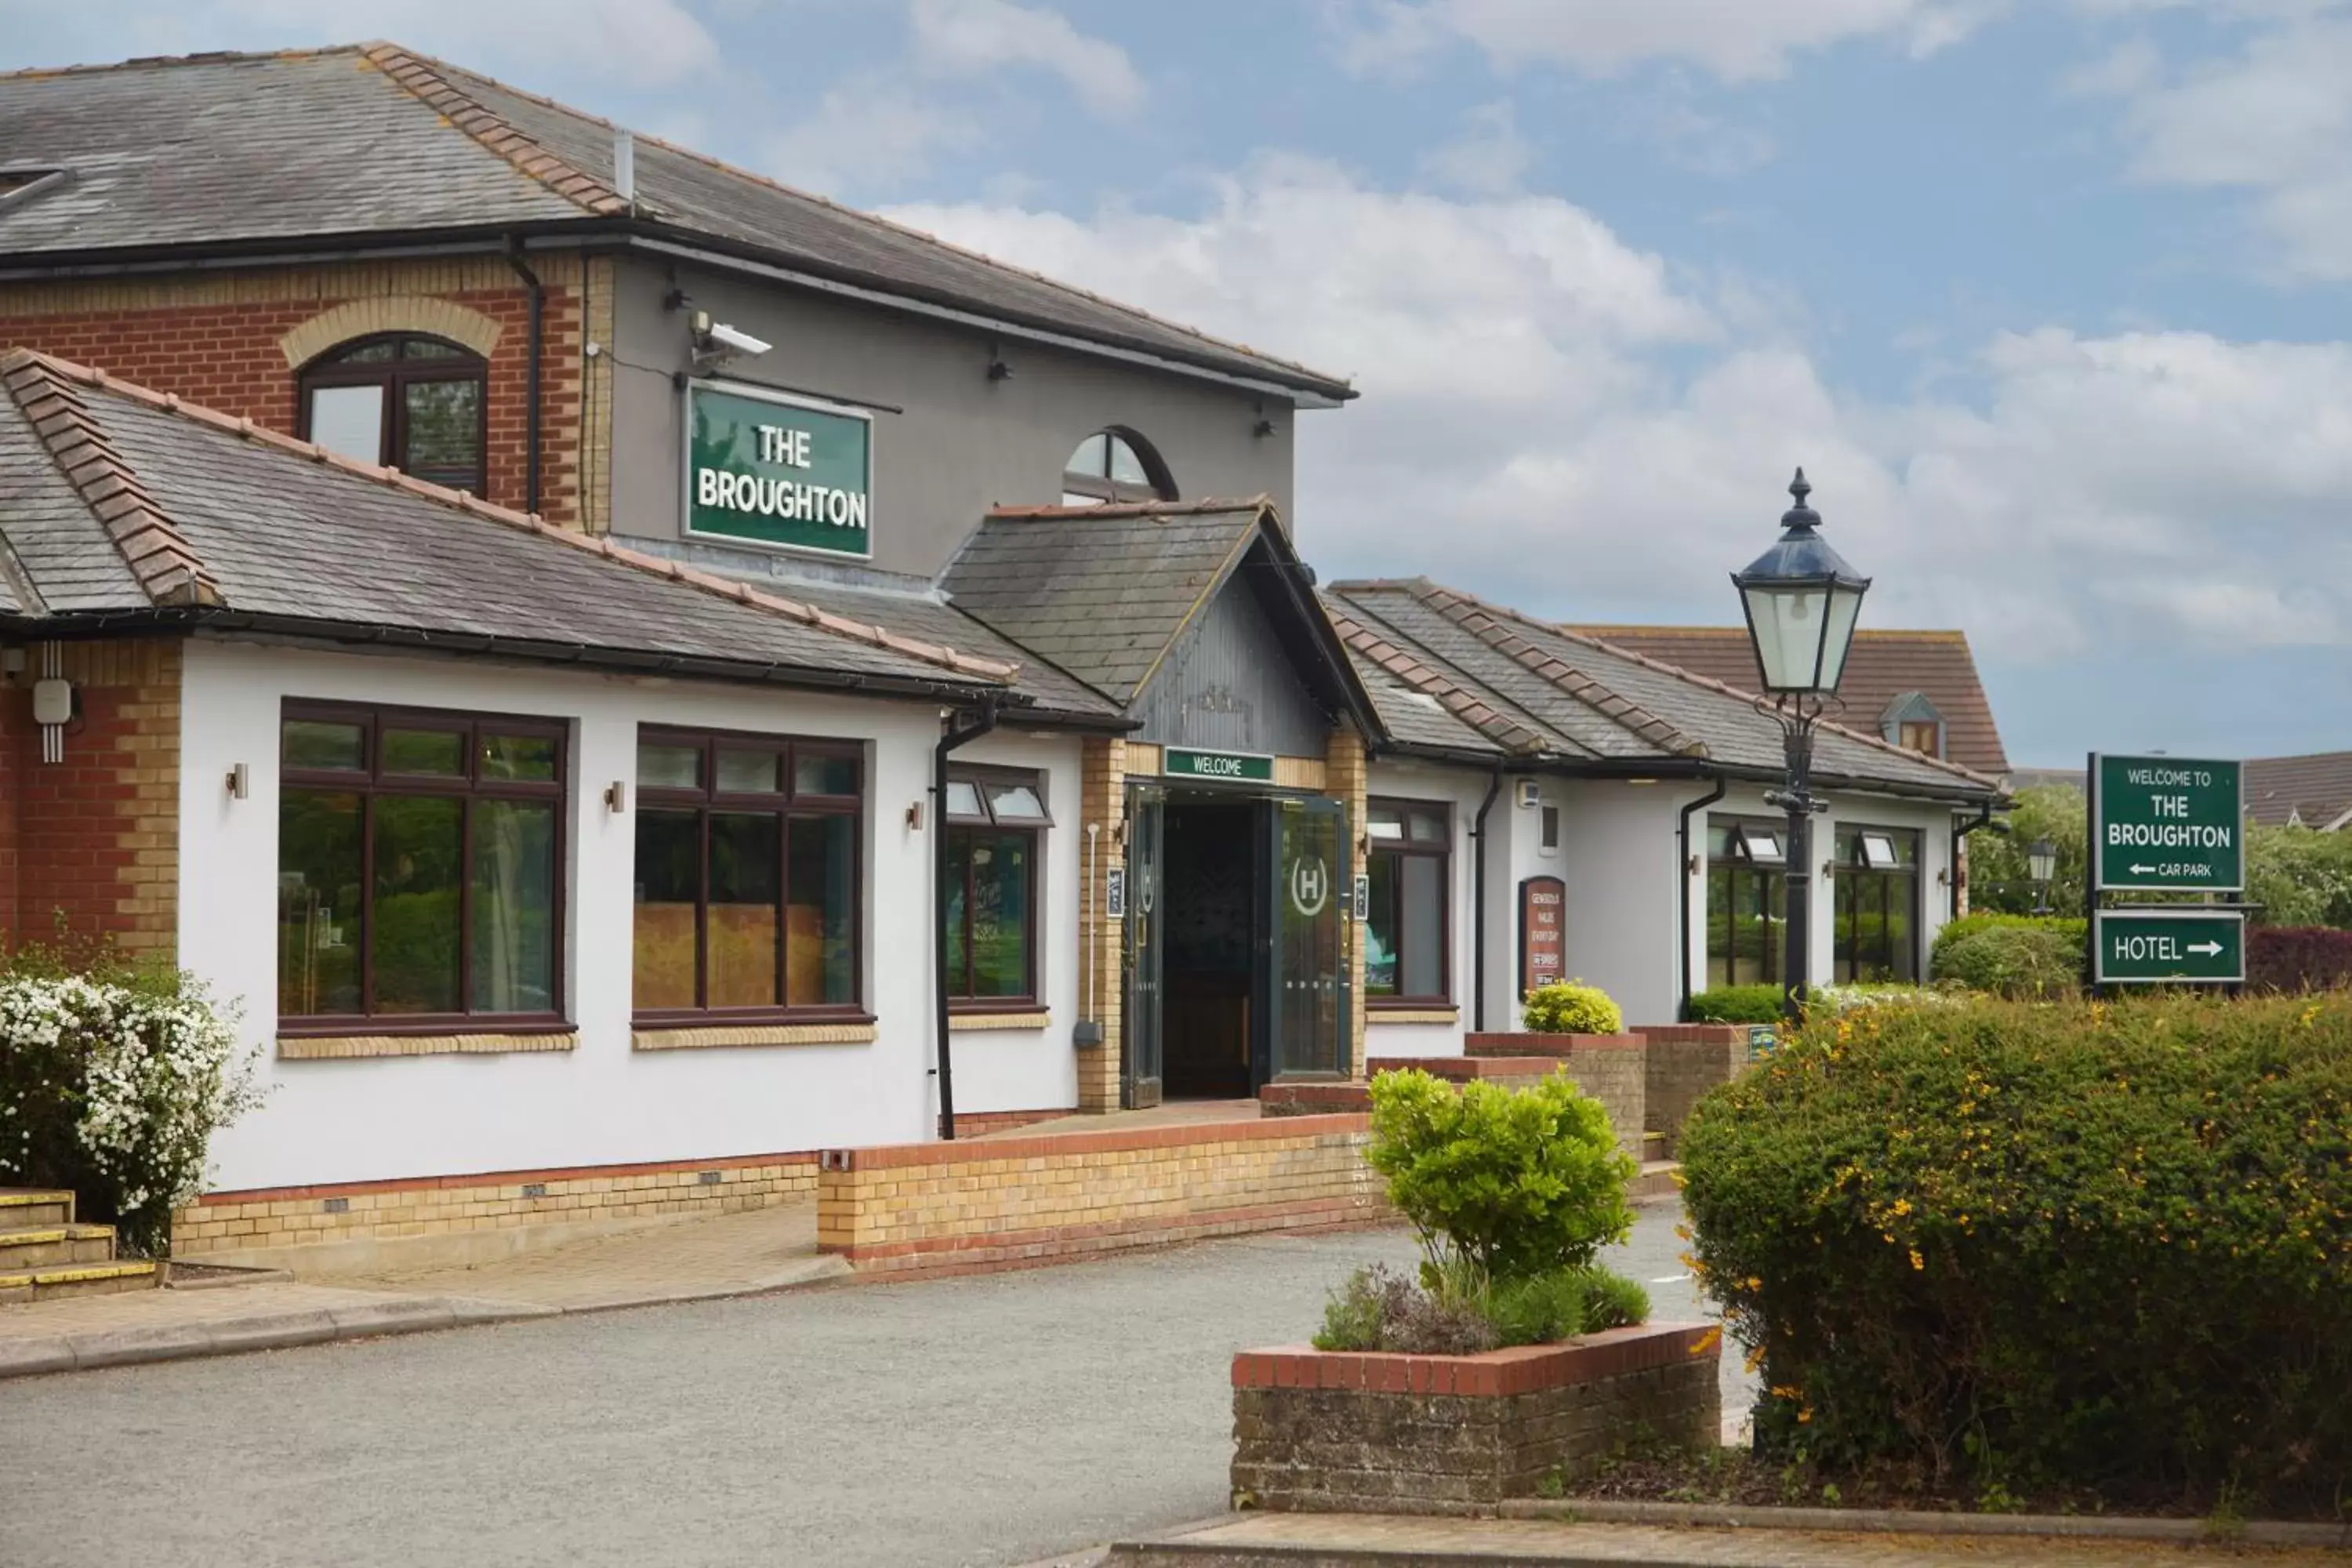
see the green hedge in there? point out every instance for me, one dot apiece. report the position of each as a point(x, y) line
point(2070, 927)
point(1734, 1004)
point(2047, 1244)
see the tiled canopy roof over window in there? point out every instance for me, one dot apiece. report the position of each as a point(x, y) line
point(375, 141)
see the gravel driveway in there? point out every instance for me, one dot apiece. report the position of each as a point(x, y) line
point(987, 1420)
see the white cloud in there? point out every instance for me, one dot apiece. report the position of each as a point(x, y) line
point(1553, 417)
point(1489, 158)
point(655, 43)
point(2273, 120)
point(868, 130)
point(1734, 39)
point(954, 36)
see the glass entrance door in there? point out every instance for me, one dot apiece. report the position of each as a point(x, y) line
point(1140, 1032)
point(1310, 972)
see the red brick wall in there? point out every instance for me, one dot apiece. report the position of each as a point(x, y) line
point(94, 839)
point(215, 339)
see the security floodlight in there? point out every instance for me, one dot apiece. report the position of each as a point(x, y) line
point(736, 341)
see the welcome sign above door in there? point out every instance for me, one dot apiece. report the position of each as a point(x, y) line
point(765, 468)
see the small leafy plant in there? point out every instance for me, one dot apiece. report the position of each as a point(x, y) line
point(1571, 1007)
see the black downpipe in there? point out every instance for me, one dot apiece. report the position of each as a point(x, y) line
point(1478, 904)
point(538, 354)
point(1682, 882)
point(957, 734)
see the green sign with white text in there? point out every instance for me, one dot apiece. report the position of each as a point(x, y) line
point(2153, 946)
point(2166, 825)
point(764, 468)
point(1226, 767)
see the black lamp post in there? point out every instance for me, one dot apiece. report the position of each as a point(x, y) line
point(1802, 600)
point(2042, 865)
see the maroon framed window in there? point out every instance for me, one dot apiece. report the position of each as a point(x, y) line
point(1409, 868)
point(414, 403)
point(420, 869)
point(988, 894)
point(749, 880)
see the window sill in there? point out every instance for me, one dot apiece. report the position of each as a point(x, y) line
point(342, 1047)
point(735, 1037)
point(958, 1021)
point(1411, 1013)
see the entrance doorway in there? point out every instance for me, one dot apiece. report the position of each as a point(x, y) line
point(1235, 937)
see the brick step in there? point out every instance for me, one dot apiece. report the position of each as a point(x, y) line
point(1654, 1146)
point(34, 1206)
point(1656, 1182)
point(79, 1279)
point(34, 1247)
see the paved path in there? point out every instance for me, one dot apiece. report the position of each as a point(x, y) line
point(989, 1420)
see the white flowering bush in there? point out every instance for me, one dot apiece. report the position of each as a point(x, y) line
point(112, 1085)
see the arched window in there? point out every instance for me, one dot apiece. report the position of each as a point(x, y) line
point(1115, 466)
point(414, 402)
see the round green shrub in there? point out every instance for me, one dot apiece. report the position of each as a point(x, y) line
point(2068, 927)
point(2066, 1244)
point(2014, 960)
point(1571, 1007)
point(1735, 1005)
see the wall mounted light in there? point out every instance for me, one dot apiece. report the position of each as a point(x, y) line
point(617, 797)
point(915, 817)
point(240, 781)
point(998, 370)
point(1262, 430)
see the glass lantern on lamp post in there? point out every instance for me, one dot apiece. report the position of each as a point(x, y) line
point(2042, 865)
point(1802, 600)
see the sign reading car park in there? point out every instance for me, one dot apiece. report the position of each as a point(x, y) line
point(2166, 825)
point(2169, 946)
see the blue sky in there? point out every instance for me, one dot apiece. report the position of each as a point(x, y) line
point(2048, 296)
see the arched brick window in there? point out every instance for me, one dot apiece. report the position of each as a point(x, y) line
point(412, 401)
point(1115, 465)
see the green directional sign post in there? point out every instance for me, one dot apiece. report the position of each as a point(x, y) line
point(2166, 825)
point(2141, 947)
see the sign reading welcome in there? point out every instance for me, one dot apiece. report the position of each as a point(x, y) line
point(1229, 767)
point(764, 469)
point(2166, 825)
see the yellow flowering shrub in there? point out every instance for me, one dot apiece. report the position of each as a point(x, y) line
point(2093, 1246)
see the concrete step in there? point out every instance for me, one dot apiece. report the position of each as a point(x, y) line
point(64, 1280)
point(27, 1207)
point(1657, 1183)
point(34, 1246)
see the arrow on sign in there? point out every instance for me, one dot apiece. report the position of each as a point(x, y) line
point(2210, 949)
point(2143, 870)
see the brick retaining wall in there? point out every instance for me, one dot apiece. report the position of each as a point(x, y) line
point(1685, 1061)
point(1343, 1432)
point(1610, 1068)
point(1009, 1202)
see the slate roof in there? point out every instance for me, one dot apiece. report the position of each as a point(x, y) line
point(126, 504)
point(1535, 690)
point(1101, 591)
point(1881, 666)
point(2315, 790)
point(248, 150)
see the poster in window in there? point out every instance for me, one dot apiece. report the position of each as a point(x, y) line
point(1543, 936)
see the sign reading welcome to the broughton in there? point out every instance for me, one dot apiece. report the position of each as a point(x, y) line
point(765, 468)
point(2166, 825)
point(2181, 946)
point(1228, 767)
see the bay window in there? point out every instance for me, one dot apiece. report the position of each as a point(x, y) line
point(988, 893)
point(1409, 866)
point(419, 870)
point(747, 876)
point(1747, 902)
point(1877, 901)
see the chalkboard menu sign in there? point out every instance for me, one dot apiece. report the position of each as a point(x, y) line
point(1543, 939)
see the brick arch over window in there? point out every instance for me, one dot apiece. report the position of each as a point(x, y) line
point(394, 313)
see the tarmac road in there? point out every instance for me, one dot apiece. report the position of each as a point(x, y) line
point(989, 1420)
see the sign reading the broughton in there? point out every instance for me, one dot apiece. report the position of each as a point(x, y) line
point(764, 469)
point(2166, 825)
point(2144, 946)
point(1230, 767)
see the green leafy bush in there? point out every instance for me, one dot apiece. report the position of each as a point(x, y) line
point(1380, 1310)
point(2014, 960)
point(113, 1078)
point(2066, 1244)
point(1563, 1304)
point(1571, 1007)
point(1952, 932)
point(1501, 1183)
point(1735, 1005)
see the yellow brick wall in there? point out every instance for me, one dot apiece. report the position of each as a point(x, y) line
point(1102, 792)
point(301, 1216)
point(1344, 779)
point(1022, 1199)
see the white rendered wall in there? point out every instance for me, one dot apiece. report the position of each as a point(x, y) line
point(602, 1103)
point(1460, 790)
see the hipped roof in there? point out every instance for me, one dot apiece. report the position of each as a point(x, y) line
point(249, 151)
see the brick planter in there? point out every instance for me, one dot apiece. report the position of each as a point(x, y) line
point(1686, 1060)
point(1335, 1431)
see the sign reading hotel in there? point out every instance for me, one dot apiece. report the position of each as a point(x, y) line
point(1543, 937)
point(2166, 825)
point(1225, 767)
point(765, 468)
point(2179, 946)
